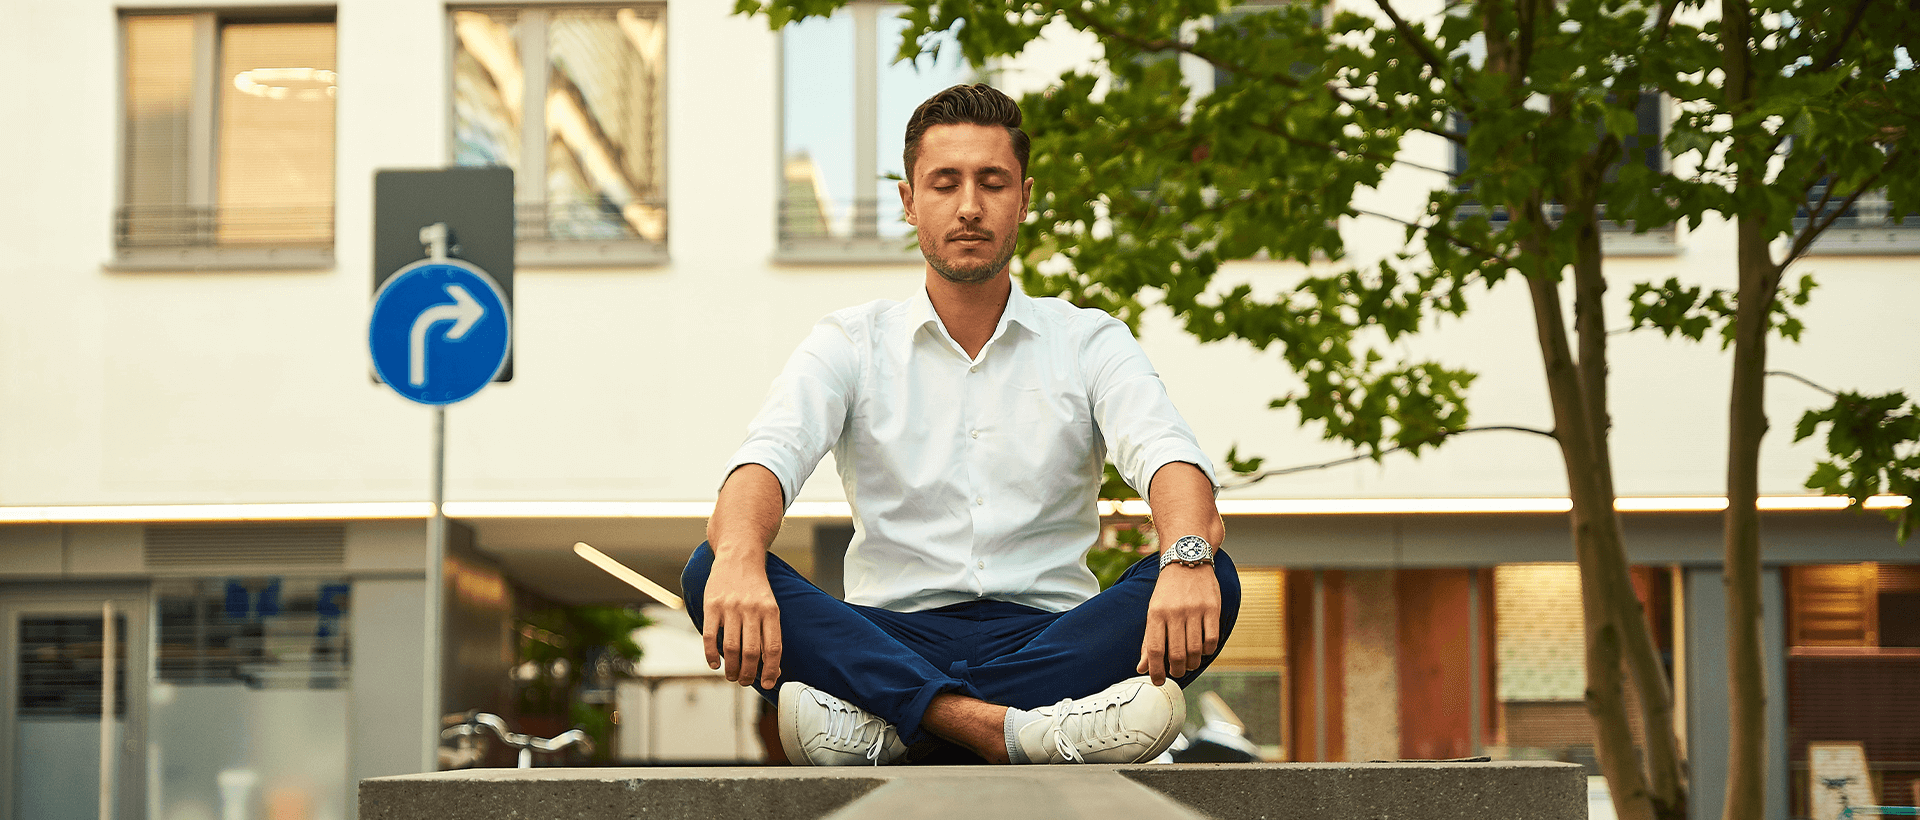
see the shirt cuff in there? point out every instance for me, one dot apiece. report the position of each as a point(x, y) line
point(783, 465)
point(1164, 455)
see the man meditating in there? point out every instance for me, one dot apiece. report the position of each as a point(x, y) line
point(970, 424)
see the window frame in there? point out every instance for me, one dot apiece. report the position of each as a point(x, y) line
point(202, 150)
point(1616, 238)
point(856, 249)
point(1882, 238)
point(532, 45)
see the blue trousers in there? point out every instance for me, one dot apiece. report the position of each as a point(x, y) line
point(893, 663)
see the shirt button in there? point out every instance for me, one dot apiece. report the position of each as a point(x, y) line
point(975, 434)
point(974, 369)
point(980, 565)
point(979, 501)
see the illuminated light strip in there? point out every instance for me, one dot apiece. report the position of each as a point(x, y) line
point(1379, 506)
point(402, 510)
point(579, 509)
point(1682, 503)
point(216, 512)
point(625, 509)
point(626, 573)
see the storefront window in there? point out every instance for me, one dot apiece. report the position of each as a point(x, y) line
point(249, 701)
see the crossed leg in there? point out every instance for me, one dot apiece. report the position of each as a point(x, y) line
point(952, 672)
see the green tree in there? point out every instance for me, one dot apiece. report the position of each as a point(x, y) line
point(1810, 111)
point(571, 649)
point(1144, 187)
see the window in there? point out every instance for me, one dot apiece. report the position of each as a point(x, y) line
point(573, 100)
point(1641, 148)
point(1233, 18)
point(844, 110)
point(1853, 670)
point(1865, 227)
point(250, 674)
point(229, 139)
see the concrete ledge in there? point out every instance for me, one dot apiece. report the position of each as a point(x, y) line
point(1367, 791)
point(1195, 791)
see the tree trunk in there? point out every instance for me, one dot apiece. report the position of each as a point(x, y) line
point(1747, 424)
point(1616, 631)
point(1597, 546)
point(1664, 763)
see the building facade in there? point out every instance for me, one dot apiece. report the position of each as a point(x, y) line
point(212, 517)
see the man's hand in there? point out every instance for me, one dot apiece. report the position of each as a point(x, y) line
point(742, 626)
point(743, 622)
point(1183, 622)
point(1183, 616)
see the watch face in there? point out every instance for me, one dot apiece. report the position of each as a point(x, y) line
point(1191, 549)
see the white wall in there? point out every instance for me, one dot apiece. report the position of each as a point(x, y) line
point(190, 387)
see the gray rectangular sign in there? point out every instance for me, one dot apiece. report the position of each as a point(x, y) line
point(475, 203)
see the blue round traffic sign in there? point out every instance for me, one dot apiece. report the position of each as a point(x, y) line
point(439, 332)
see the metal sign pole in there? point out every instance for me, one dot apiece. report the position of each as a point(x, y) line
point(109, 671)
point(435, 238)
point(439, 331)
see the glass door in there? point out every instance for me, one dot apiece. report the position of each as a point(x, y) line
point(76, 666)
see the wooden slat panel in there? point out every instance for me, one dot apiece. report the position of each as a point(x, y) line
point(1259, 638)
point(1834, 605)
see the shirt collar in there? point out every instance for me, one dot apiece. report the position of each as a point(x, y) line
point(1020, 310)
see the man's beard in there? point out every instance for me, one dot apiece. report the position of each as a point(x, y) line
point(967, 274)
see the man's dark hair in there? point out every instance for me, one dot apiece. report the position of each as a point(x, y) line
point(977, 104)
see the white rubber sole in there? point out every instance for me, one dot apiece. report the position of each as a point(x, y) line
point(790, 723)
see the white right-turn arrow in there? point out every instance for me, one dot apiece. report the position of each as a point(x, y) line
point(463, 313)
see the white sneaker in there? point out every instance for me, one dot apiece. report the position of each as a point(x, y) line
point(1130, 722)
point(818, 729)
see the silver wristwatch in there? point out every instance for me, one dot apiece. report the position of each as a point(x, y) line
point(1191, 550)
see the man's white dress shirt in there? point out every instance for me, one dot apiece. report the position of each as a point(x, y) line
point(969, 478)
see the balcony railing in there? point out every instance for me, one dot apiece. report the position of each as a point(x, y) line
point(183, 226)
point(1865, 227)
point(587, 221)
point(864, 229)
point(1616, 238)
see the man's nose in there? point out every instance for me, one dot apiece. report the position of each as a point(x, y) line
point(970, 202)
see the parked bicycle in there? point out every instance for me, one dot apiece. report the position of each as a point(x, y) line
point(465, 730)
point(1848, 811)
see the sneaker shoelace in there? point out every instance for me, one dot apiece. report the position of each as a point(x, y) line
point(847, 729)
point(1089, 720)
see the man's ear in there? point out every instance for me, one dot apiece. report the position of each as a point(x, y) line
point(1026, 198)
point(906, 200)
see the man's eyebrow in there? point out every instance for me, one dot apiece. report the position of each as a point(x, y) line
point(954, 172)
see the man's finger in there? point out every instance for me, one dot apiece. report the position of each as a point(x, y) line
point(749, 652)
point(1153, 655)
point(769, 650)
point(710, 640)
point(1212, 626)
point(730, 646)
point(1176, 649)
point(1196, 644)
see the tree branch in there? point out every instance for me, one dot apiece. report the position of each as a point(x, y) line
point(1303, 142)
point(1421, 47)
point(1075, 13)
point(1444, 234)
point(1254, 478)
point(1846, 33)
point(1786, 374)
point(1419, 44)
point(1818, 224)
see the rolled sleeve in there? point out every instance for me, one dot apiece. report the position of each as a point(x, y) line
point(805, 410)
point(1142, 429)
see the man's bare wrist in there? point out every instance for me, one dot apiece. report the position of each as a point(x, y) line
point(746, 556)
